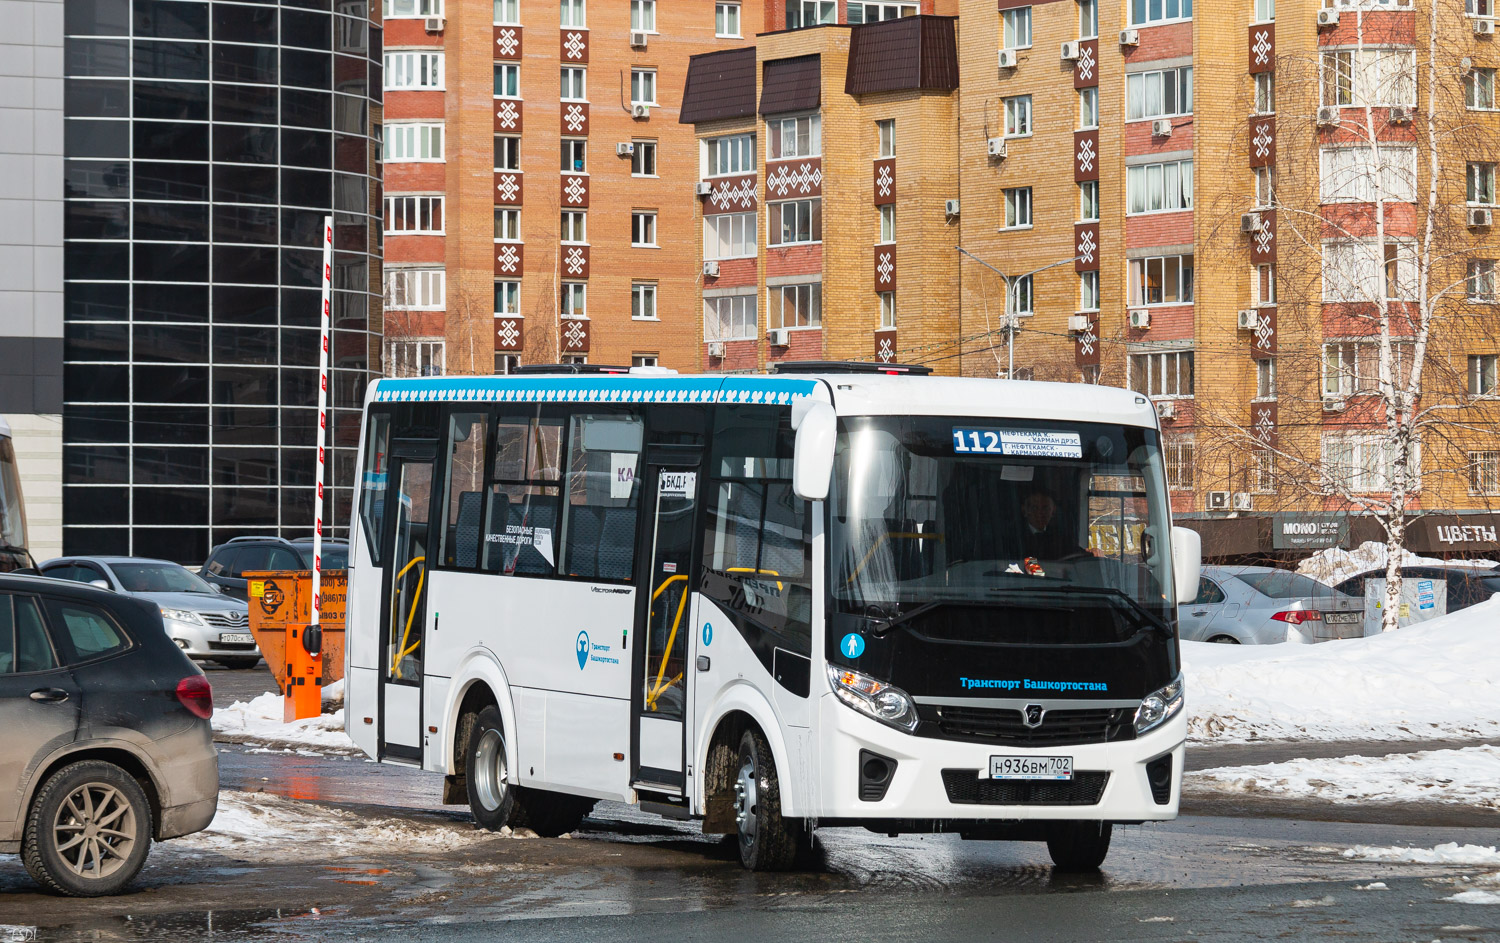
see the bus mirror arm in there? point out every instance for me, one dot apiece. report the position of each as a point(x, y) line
point(812, 457)
point(1187, 560)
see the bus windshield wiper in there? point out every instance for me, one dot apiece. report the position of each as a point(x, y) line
point(1146, 615)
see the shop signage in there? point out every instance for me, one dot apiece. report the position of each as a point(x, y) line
point(1309, 531)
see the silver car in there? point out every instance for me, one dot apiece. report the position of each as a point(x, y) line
point(205, 624)
point(1261, 605)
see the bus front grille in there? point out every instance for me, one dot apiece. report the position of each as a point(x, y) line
point(967, 787)
point(1006, 726)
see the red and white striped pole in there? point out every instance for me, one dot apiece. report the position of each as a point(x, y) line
point(326, 324)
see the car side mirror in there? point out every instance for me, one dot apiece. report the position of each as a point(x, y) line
point(102, 584)
point(1187, 562)
point(812, 455)
point(217, 588)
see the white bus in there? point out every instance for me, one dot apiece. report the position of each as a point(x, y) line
point(830, 596)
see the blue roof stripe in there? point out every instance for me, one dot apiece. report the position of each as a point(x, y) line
point(768, 390)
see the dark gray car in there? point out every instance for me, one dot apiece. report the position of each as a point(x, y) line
point(107, 742)
point(227, 565)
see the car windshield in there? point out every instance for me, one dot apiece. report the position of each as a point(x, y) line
point(931, 509)
point(159, 578)
point(335, 556)
point(1283, 584)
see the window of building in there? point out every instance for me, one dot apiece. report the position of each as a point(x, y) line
point(793, 137)
point(1017, 207)
point(794, 306)
point(795, 221)
point(1264, 179)
point(507, 225)
point(1088, 19)
point(572, 14)
point(1088, 291)
point(875, 12)
point(1015, 26)
point(1484, 472)
point(410, 69)
point(574, 155)
point(1018, 116)
point(1479, 185)
point(729, 236)
point(507, 12)
point(507, 152)
point(1177, 455)
point(802, 13)
point(1265, 11)
point(734, 154)
point(885, 137)
point(414, 214)
point(1370, 76)
point(887, 309)
point(727, 20)
point(1351, 175)
point(575, 358)
point(1361, 270)
point(1019, 297)
point(643, 229)
point(1088, 200)
point(1162, 373)
point(1481, 281)
point(1159, 188)
point(1265, 93)
point(1146, 12)
point(412, 142)
point(643, 15)
point(644, 360)
point(506, 364)
point(1262, 286)
point(643, 159)
point(729, 318)
point(1360, 462)
point(398, 9)
point(643, 302)
point(1479, 89)
point(507, 80)
point(414, 357)
point(1161, 280)
point(507, 299)
point(887, 222)
point(575, 300)
point(575, 226)
point(1088, 108)
point(574, 83)
point(1482, 374)
point(1089, 373)
point(1265, 379)
point(1479, 8)
point(1263, 471)
point(414, 289)
point(1351, 367)
point(643, 86)
point(1160, 94)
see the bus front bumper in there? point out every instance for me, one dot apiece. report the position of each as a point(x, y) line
point(948, 781)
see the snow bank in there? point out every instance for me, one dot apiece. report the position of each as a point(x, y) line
point(1437, 679)
point(1336, 564)
point(1470, 776)
point(1451, 853)
point(260, 720)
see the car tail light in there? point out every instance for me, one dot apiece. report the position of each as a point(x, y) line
point(196, 695)
point(1298, 616)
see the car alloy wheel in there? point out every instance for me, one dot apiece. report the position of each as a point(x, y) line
point(95, 830)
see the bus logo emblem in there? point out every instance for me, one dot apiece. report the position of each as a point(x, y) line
point(583, 649)
point(1032, 715)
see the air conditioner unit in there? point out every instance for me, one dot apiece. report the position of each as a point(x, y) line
point(1140, 320)
point(1166, 409)
point(1248, 320)
point(638, 38)
point(1484, 27)
point(434, 24)
point(1218, 500)
point(1401, 114)
point(711, 269)
point(1243, 501)
point(1007, 58)
point(1069, 51)
point(1334, 404)
point(716, 349)
point(1328, 19)
point(625, 150)
point(1161, 127)
point(779, 337)
point(950, 207)
point(1078, 323)
point(640, 111)
point(995, 147)
point(1328, 116)
point(1252, 222)
point(1130, 37)
point(703, 188)
point(1481, 217)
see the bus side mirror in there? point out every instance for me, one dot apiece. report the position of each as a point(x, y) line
point(1187, 561)
point(812, 457)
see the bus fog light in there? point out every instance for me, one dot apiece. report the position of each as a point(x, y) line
point(874, 698)
point(1159, 706)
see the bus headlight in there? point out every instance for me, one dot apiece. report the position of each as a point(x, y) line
point(1159, 707)
point(180, 615)
point(884, 702)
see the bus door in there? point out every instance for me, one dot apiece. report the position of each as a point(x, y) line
point(664, 619)
point(408, 547)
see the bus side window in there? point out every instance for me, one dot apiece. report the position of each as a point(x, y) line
point(465, 488)
point(372, 485)
point(604, 451)
point(521, 527)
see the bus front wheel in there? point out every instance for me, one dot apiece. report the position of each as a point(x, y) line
point(487, 771)
point(1078, 846)
point(768, 842)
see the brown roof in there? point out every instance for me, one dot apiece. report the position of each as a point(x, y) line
point(906, 53)
point(791, 85)
point(719, 85)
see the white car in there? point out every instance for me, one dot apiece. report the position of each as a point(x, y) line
point(1261, 605)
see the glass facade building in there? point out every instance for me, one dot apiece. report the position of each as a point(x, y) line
point(204, 143)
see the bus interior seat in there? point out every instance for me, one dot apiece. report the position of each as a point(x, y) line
point(493, 558)
point(583, 540)
point(537, 517)
point(616, 543)
point(466, 532)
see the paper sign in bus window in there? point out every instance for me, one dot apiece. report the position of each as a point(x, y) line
point(622, 477)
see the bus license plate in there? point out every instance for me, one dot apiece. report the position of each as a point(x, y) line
point(1031, 767)
point(1342, 618)
point(236, 638)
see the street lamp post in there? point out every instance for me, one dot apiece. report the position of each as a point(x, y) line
point(1012, 318)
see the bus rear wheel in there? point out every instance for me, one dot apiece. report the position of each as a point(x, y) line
point(767, 841)
point(1078, 846)
point(487, 771)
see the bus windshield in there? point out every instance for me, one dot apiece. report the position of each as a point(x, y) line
point(12, 515)
point(997, 512)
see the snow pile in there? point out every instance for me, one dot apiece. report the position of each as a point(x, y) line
point(259, 720)
point(1451, 853)
point(1470, 776)
point(1336, 564)
point(1437, 679)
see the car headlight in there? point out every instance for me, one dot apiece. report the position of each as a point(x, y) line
point(181, 615)
point(884, 702)
point(1159, 706)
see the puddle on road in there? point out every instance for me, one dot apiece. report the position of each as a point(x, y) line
point(226, 925)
